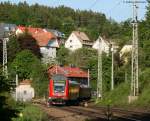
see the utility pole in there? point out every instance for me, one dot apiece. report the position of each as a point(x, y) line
point(135, 69)
point(88, 78)
point(112, 67)
point(16, 76)
point(99, 78)
point(134, 73)
point(5, 71)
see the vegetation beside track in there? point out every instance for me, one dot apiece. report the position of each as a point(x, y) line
point(119, 97)
point(30, 112)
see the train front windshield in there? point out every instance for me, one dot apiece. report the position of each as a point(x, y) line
point(59, 83)
point(59, 87)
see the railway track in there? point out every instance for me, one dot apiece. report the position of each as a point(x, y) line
point(85, 112)
point(101, 113)
point(115, 114)
point(128, 114)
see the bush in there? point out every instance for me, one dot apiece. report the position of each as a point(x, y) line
point(31, 113)
point(119, 96)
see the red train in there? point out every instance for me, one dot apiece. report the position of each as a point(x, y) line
point(65, 91)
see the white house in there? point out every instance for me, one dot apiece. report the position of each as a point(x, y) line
point(24, 91)
point(102, 44)
point(78, 40)
point(125, 49)
point(49, 52)
point(46, 40)
point(105, 45)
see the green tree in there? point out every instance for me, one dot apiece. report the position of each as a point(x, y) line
point(86, 58)
point(28, 66)
point(62, 56)
point(63, 18)
point(13, 48)
point(82, 56)
point(7, 110)
point(26, 41)
point(1, 52)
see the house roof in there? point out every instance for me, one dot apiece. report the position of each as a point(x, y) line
point(43, 38)
point(56, 33)
point(67, 71)
point(81, 35)
point(100, 40)
point(41, 35)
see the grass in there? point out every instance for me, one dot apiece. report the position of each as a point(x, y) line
point(118, 96)
point(31, 113)
point(144, 99)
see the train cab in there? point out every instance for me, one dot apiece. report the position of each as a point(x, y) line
point(58, 91)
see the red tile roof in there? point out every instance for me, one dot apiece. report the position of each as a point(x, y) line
point(41, 35)
point(67, 71)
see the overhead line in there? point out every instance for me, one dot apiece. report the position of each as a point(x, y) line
point(93, 4)
point(115, 6)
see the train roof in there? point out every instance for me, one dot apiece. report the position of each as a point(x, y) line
point(58, 77)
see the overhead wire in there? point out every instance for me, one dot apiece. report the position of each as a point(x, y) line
point(92, 5)
point(115, 6)
point(110, 10)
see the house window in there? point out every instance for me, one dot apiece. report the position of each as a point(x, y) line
point(70, 40)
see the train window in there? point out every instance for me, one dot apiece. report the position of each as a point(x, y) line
point(59, 87)
point(83, 81)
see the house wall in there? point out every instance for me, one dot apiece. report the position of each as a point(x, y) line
point(24, 93)
point(73, 43)
point(48, 54)
point(103, 45)
point(125, 49)
point(53, 43)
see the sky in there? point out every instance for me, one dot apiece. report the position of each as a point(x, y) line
point(114, 9)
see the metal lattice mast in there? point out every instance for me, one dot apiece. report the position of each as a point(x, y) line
point(134, 73)
point(99, 78)
point(5, 71)
point(135, 69)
